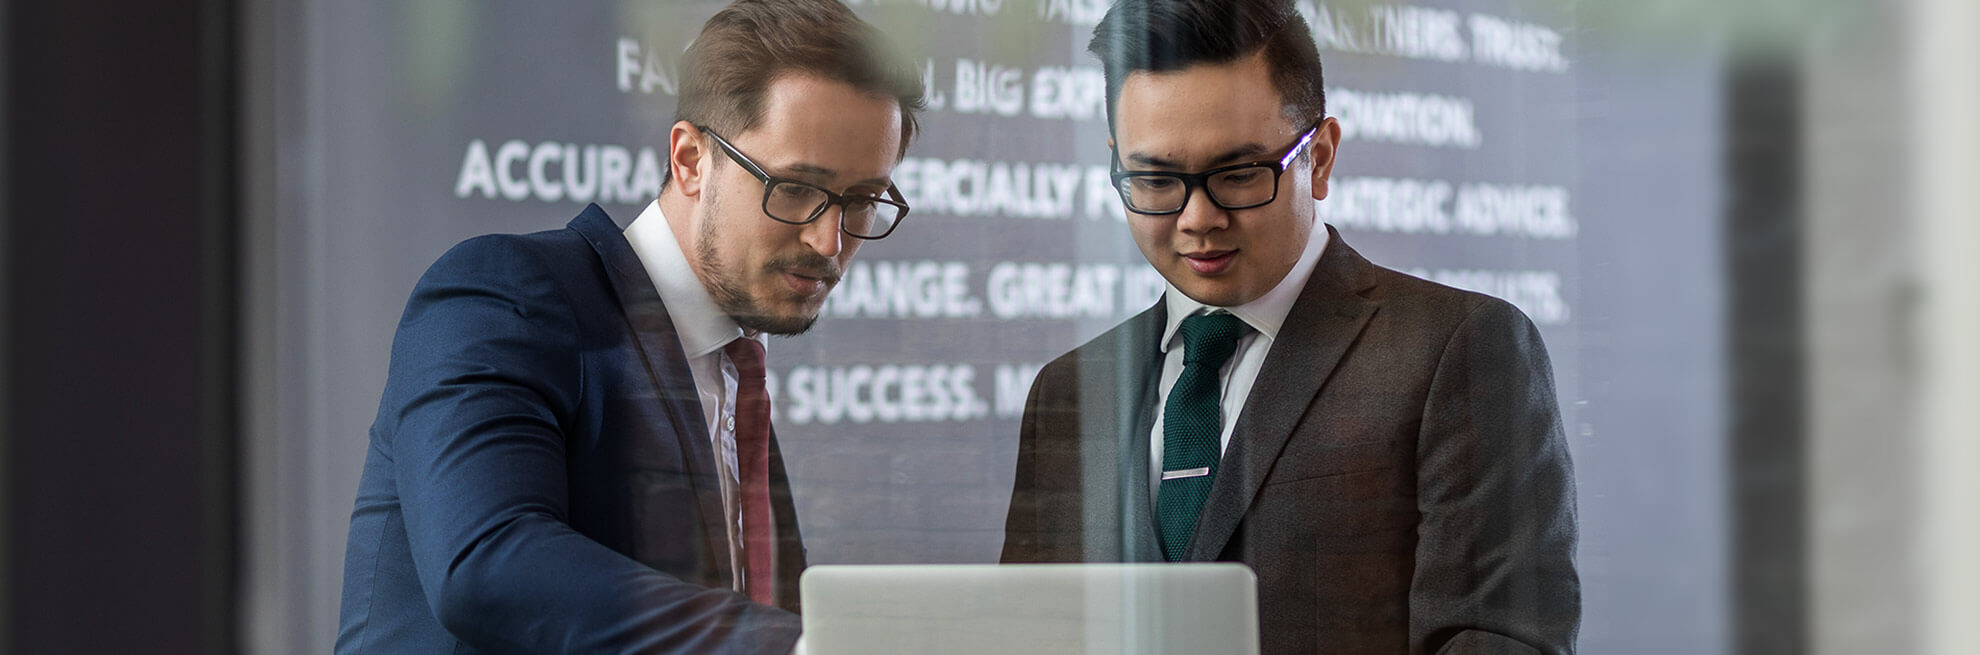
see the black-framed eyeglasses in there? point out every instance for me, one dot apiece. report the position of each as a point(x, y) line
point(1238, 186)
point(796, 202)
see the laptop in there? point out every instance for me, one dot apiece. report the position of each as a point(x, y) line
point(1030, 609)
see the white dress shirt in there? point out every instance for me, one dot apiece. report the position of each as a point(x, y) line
point(704, 330)
point(1264, 315)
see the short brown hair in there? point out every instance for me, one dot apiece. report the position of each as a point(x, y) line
point(751, 43)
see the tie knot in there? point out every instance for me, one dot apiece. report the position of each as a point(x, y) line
point(747, 355)
point(1210, 338)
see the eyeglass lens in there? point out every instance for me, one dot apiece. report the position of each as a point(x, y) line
point(799, 203)
point(1237, 188)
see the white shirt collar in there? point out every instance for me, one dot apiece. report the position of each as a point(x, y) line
point(703, 326)
point(1265, 313)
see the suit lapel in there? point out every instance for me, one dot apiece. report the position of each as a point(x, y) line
point(1323, 323)
point(1139, 364)
point(659, 348)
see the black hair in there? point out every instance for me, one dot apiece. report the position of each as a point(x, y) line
point(1170, 35)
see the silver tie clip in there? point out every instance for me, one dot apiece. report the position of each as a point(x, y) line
point(1186, 473)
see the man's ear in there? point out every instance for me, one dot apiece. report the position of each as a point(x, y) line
point(1326, 142)
point(685, 156)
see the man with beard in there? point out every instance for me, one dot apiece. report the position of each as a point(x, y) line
point(573, 452)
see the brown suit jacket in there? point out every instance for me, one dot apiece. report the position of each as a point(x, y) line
point(1398, 478)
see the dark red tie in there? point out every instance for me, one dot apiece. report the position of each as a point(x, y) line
point(759, 530)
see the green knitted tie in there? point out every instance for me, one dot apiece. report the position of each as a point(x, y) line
point(1192, 424)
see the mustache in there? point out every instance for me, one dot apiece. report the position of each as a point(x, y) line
point(812, 265)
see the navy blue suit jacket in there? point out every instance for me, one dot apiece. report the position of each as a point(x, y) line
point(540, 478)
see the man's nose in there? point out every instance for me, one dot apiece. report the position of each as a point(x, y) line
point(825, 236)
point(1200, 214)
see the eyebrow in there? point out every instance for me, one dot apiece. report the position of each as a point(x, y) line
point(1245, 152)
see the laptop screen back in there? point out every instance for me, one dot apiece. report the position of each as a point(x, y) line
point(1030, 609)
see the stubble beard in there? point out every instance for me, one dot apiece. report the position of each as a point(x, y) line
point(733, 296)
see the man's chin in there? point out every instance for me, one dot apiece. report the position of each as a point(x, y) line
point(788, 326)
point(1215, 293)
point(787, 321)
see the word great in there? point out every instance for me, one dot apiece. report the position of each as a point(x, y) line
point(1014, 290)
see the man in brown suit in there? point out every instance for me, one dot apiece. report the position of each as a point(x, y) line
point(1384, 452)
